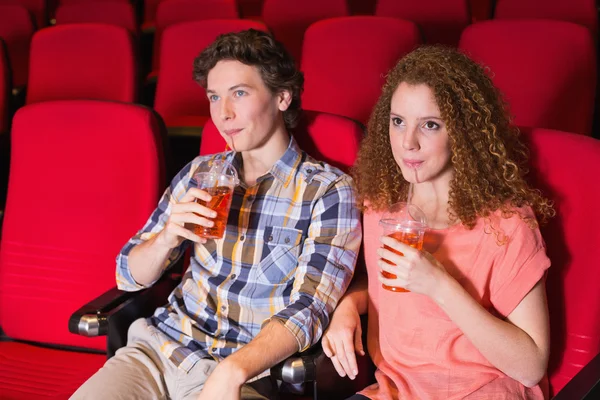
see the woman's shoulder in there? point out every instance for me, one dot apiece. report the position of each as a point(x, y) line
point(510, 224)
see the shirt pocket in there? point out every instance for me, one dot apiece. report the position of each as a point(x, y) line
point(281, 250)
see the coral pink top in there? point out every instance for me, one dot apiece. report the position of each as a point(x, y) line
point(419, 352)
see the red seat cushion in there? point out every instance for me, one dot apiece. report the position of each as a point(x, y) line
point(345, 61)
point(289, 19)
point(16, 30)
point(441, 21)
point(179, 99)
point(545, 69)
point(31, 372)
point(82, 61)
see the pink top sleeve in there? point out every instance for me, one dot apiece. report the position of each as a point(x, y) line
point(521, 263)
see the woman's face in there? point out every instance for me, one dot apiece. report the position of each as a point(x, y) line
point(418, 134)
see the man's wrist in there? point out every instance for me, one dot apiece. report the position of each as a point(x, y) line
point(236, 372)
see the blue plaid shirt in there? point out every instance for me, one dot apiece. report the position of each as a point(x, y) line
point(289, 252)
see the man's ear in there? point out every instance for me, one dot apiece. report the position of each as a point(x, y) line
point(284, 99)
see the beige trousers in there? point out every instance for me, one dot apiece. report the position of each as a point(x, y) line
point(140, 371)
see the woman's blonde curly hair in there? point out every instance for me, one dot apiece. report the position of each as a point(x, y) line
point(488, 158)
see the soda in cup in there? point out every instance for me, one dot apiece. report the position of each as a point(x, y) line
point(407, 224)
point(218, 178)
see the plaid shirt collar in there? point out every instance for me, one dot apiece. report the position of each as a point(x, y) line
point(284, 169)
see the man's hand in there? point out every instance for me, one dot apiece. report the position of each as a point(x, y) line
point(225, 383)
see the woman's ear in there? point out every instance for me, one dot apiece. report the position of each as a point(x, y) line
point(284, 99)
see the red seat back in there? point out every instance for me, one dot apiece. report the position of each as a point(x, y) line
point(546, 70)
point(288, 20)
point(179, 99)
point(326, 137)
point(565, 168)
point(4, 90)
point(345, 61)
point(16, 30)
point(170, 12)
point(37, 9)
point(82, 61)
point(582, 12)
point(104, 12)
point(84, 177)
point(441, 21)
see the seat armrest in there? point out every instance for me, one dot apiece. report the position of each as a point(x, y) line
point(111, 313)
point(299, 368)
point(585, 385)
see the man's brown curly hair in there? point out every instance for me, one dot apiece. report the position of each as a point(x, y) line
point(259, 49)
point(488, 159)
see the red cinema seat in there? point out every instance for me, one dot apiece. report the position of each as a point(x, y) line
point(582, 12)
point(564, 165)
point(170, 12)
point(38, 10)
point(16, 30)
point(288, 20)
point(179, 99)
point(84, 176)
point(345, 61)
point(326, 137)
point(82, 61)
point(4, 90)
point(441, 21)
point(546, 70)
point(105, 12)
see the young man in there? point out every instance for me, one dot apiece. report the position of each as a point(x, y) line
point(266, 290)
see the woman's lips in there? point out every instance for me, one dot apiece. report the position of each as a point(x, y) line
point(412, 163)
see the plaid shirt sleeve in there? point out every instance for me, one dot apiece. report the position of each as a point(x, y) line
point(326, 265)
point(153, 226)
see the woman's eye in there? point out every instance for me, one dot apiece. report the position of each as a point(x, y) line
point(213, 98)
point(239, 93)
point(431, 125)
point(396, 121)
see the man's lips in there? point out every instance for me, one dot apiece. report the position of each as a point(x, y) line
point(232, 132)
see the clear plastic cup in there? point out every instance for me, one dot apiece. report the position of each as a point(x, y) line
point(407, 224)
point(218, 178)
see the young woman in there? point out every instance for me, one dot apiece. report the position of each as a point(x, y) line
point(474, 323)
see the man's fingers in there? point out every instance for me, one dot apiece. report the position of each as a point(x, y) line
point(182, 208)
point(194, 193)
point(184, 233)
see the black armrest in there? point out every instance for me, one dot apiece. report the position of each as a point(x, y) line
point(585, 385)
point(112, 312)
point(313, 365)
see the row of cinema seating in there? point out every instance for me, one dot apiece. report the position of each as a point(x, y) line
point(440, 21)
point(345, 61)
point(68, 215)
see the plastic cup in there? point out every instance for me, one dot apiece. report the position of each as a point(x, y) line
point(407, 224)
point(218, 178)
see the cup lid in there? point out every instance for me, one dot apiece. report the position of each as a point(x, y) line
point(220, 167)
point(402, 212)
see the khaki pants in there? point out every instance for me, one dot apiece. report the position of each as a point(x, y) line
point(140, 371)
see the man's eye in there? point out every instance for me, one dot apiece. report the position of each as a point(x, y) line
point(213, 97)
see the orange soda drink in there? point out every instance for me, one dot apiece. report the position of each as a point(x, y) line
point(218, 178)
point(407, 224)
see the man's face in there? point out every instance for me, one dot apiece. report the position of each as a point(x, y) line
point(244, 110)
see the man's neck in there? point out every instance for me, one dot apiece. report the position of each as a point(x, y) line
point(259, 161)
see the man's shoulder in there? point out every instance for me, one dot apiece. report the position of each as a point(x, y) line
point(321, 171)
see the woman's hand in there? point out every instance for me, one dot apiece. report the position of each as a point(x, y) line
point(184, 215)
point(342, 338)
point(415, 270)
